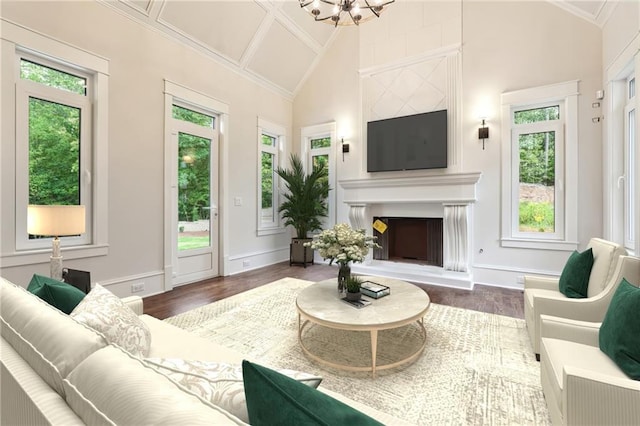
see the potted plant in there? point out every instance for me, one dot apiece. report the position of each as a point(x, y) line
point(343, 245)
point(353, 287)
point(305, 202)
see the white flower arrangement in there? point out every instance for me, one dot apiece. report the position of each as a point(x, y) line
point(343, 244)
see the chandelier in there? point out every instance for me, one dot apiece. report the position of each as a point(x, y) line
point(331, 11)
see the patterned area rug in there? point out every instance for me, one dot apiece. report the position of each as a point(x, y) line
point(477, 368)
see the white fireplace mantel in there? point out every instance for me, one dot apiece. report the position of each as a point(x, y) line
point(454, 191)
point(444, 188)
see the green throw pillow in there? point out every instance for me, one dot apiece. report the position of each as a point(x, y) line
point(619, 335)
point(574, 279)
point(275, 399)
point(63, 296)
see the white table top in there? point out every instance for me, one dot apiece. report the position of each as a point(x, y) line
point(321, 303)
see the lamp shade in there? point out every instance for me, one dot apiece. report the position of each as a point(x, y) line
point(55, 220)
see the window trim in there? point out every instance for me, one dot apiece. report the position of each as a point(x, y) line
point(19, 40)
point(630, 170)
point(25, 90)
point(316, 132)
point(277, 131)
point(566, 94)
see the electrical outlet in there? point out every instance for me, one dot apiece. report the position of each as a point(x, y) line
point(237, 201)
point(137, 287)
point(520, 279)
point(246, 263)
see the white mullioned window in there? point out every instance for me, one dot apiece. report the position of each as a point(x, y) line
point(540, 167)
point(630, 172)
point(271, 139)
point(318, 147)
point(60, 122)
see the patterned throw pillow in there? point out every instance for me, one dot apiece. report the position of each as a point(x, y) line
point(106, 313)
point(219, 383)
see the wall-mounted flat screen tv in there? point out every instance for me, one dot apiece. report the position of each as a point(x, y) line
point(412, 142)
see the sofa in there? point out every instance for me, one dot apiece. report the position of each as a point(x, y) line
point(57, 370)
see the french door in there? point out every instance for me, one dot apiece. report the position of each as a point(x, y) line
point(196, 195)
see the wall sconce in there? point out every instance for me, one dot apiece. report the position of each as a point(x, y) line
point(345, 148)
point(483, 133)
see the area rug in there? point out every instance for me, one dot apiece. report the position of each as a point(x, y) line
point(476, 369)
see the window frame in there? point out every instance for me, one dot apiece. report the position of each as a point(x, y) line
point(556, 126)
point(566, 236)
point(630, 172)
point(17, 40)
point(25, 90)
point(278, 132)
point(319, 131)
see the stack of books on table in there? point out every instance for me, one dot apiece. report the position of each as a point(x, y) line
point(374, 290)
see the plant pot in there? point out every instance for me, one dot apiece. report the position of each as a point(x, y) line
point(298, 253)
point(354, 297)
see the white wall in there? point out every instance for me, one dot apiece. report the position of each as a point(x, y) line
point(139, 61)
point(505, 46)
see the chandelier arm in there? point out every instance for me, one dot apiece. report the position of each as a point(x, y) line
point(332, 3)
point(303, 4)
point(371, 8)
point(357, 22)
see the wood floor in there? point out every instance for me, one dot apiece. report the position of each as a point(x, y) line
point(181, 299)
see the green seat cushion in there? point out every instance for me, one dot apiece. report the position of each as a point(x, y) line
point(619, 335)
point(275, 399)
point(574, 279)
point(63, 296)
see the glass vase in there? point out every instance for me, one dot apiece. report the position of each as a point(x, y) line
point(343, 275)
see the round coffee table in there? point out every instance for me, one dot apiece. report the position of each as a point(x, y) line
point(320, 304)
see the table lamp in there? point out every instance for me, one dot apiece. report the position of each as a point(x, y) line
point(55, 221)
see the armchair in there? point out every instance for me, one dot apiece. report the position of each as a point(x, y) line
point(542, 294)
point(581, 384)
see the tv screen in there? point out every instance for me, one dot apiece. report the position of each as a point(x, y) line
point(412, 142)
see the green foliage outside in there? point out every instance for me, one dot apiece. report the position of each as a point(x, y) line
point(537, 167)
point(267, 171)
point(194, 167)
point(193, 177)
point(189, 242)
point(54, 139)
point(536, 217)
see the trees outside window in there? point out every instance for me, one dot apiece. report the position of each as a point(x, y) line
point(271, 138)
point(539, 163)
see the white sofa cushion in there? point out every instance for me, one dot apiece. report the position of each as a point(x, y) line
point(217, 382)
point(170, 341)
point(560, 353)
point(106, 313)
point(605, 255)
point(50, 341)
point(113, 387)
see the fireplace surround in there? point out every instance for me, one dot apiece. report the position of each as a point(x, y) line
point(449, 196)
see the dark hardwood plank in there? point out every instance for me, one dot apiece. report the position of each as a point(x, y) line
point(482, 298)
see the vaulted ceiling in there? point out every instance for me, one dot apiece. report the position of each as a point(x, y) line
point(258, 38)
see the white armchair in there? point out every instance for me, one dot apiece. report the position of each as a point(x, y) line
point(581, 384)
point(542, 295)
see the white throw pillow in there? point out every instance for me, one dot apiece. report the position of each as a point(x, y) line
point(217, 382)
point(106, 313)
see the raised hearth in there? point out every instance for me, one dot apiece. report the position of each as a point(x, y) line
point(448, 196)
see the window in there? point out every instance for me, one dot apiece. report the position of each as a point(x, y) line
point(629, 164)
point(270, 141)
point(195, 134)
point(60, 122)
point(539, 193)
point(318, 148)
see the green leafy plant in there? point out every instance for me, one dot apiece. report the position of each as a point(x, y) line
point(306, 197)
point(353, 284)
